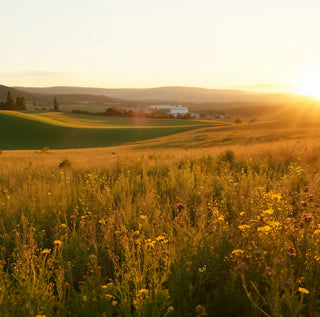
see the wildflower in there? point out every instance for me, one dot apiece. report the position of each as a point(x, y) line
point(244, 227)
point(84, 298)
point(201, 311)
point(237, 252)
point(57, 243)
point(274, 224)
point(143, 217)
point(242, 213)
point(170, 309)
point(268, 212)
point(289, 282)
point(63, 225)
point(150, 243)
point(114, 303)
point(202, 269)
point(300, 281)
point(179, 206)
point(162, 239)
point(303, 290)
point(276, 197)
point(221, 219)
point(316, 232)
point(265, 229)
point(102, 221)
point(241, 267)
point(109, 297)
point(269, 271)
point(46, 251)
point(307, 217)
point(292, 253)
point(143, 292)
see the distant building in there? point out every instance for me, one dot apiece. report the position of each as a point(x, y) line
point(195, 115)
point(173, 110)
point(215, 116)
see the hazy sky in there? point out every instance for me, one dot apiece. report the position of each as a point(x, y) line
point(150, 43)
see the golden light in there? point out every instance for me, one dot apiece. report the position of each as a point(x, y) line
point(309, 82)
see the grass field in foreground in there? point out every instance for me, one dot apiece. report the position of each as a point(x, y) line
point(107, 236)
point(61, 131)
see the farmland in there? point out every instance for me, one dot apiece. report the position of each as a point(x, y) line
point(218, 220)
point(58, 130)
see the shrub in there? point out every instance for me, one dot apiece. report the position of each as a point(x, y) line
point(65, 163)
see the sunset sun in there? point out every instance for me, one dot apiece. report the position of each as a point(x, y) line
point(309, 82)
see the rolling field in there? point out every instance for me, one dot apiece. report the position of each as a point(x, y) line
point(62, 131)
point(220, 220)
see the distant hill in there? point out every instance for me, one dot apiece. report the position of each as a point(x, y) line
point(192, 95)
point(80, 99)
point(15, 93)
point(182, 94)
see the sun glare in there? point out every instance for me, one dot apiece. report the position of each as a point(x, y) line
point(309, 82)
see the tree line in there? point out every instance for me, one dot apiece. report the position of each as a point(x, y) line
point(115, 112)
point(11, 104)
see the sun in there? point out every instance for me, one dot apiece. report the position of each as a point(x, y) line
point(309, 82)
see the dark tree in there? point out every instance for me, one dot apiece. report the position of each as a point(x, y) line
point(9, 103)
point(20, 103)
point(55, 105)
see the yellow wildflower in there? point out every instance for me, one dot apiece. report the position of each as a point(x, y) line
point(143, 292)
point(114, 303)
point(109, 297)
point(303, 290)
point(46, 251)
point(221, 219)
point(57, 242)
point(237, 252)
point(84, 298)
point(202, 269)
point(269, 211)
point(102, 221)
point(244, 227)
point(265, 229)
point(276, 196)
point(201, 311)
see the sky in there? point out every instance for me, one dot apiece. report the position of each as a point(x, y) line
point(243, 44)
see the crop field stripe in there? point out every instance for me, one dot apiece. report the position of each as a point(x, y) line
point(19, 132)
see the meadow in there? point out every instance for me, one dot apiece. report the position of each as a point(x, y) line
point(218, 221)
point(64, 131)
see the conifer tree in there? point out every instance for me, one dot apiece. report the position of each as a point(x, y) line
point(9, 103)
point(20, 103)
point(55, 105)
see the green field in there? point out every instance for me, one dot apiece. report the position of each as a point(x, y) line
point(61, 131)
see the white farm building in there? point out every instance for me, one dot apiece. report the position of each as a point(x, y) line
point(174, 110)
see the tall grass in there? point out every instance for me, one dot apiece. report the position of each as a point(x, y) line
point(161, 235)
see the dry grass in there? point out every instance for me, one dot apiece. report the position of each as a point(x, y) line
point(139, 230)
